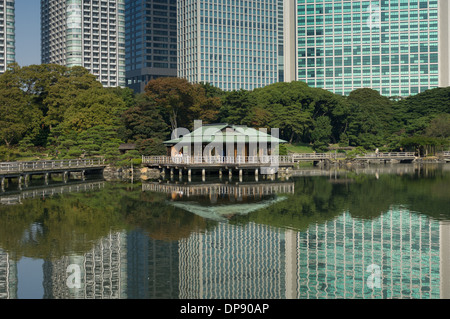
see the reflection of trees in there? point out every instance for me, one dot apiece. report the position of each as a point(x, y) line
point(53, 227)
point(72, 223)
point(159, 220)
point(314, 201)
point(318, 199)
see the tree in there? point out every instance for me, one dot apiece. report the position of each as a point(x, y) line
point(127, 95)
point(439, 126)
point(65, 93)
point(144, 121)
point(236, 106)
point(370, 119)
point(19, 116)
point(289, 107)
point(335, 107)
point(415, 113)
point(90, 125)
point(182, 101)
point(259, 117)
point(92, 107)
point(321, 133)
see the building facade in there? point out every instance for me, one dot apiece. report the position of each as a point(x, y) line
point(151, 41)
point(90, 34)
point(7, 34)
point(232, 45)
point(398, 47)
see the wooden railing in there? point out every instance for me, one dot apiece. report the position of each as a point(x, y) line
point(312, 156)
point(388, 155)
point(216, 159)
point(446, 154)
point(18, 167)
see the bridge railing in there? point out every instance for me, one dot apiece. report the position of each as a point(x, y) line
point(10, 199)
point(312, 156)
point(8, 167)
point(446, 154)
point(186, 159)
point(388, 155)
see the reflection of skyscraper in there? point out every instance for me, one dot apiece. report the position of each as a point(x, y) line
point(397, 253)
point(8, 276)
point(444, 247)
point(152, 267)
point(103, 272)
point(233, 262)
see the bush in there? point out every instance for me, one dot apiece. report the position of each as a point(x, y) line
point(282, 149)
point(355, 152)
point(8, 154)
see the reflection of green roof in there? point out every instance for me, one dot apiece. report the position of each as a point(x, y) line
point(219, 212)
point(225, 133)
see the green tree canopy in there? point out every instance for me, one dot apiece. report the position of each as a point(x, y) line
point(182, 101)
point(19, 117)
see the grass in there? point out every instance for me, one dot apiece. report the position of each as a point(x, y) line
point(299, 148)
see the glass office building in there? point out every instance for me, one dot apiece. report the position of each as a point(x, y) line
point(7, 34)
point(398, 47)
point(231, 44)
point(151, 41)
point(85, 33)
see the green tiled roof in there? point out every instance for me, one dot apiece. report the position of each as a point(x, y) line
point(229, 134)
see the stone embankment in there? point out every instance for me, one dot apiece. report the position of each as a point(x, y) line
point(112, 173)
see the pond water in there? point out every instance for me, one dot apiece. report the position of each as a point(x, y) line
point(380, 232)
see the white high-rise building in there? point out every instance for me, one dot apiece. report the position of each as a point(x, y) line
point(85, 33)
point(7, 34)
point(235, 44)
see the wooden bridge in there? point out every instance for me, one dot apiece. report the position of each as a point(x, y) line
point(308, 157)
point(24, 170)
point(446, 156)
point(389, 156)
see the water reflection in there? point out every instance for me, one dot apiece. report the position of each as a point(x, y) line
point(220, 201)
point(345, 234)
point(17, 196)
point(103, 272)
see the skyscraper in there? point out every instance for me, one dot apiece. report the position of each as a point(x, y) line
point(85, 33)
point(398, 47)
point(7, 34)
point(151, 41)
point(233, 44)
